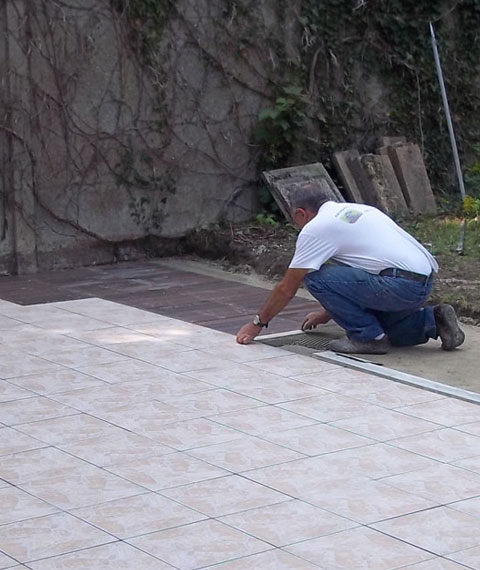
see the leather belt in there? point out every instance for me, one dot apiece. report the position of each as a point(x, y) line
point(395, 272)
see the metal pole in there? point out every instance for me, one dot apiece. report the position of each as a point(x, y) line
point(453, 142)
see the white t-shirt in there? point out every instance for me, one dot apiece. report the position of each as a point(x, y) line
point(359, 236)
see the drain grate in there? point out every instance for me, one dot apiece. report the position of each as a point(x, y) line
point(307, 340)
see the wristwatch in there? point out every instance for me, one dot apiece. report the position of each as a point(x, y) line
point(258, 322)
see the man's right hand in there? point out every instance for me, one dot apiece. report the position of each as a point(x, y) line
point(316, 318)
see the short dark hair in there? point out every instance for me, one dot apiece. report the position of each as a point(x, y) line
point(310, 195)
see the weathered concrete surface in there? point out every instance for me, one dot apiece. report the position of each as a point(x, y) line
point(384, 187)
point(343, 166)
point(412, 176)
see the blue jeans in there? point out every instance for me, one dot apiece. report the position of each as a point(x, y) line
point(367, 305)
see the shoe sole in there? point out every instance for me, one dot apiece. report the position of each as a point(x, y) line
point(458, 336)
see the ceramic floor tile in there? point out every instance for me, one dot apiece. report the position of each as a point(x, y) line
point(126, 371)
point(449, 411)
point(26, 364)
point(56, 382)
point(195, 433)
point(36, 464)
point(167, 471)
point(446, 445)
point(80, 487)
point(383, 425)
point(18, 506)
point(471, 463)
point(108, 337)
point(245, 453)
point(470, 558)
point(68, 322)
point(216, 401)
point(224, 496)
point(366, 501)
point(469, 506)
point(473, 428)
point(50, 345)
point(7, 562)
point(134, 516)
point(164, 388)
point(151, 349)
point(304, 522)
point(186, 361)
point(235, 352)
point(33, 410)
point(117, 556)
point(103, 451)
point(69, 429)
point(232, 374)
point(317, 439)
point(441, 530)
point(359, 548)
point(441, 483)
point(49, 536)
point(10, 392)
point(13, 441)
point(329, 408)
point(88, 356)
point(270, 560)
point(198, 545)
point(290, 365)
point(435, 564)
point(262, 420)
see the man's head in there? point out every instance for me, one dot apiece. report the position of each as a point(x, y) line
point(306, 200)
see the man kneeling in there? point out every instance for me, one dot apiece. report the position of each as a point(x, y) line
point(376, 287)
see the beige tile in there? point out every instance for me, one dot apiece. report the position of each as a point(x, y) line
point(359, 548)
point(469, 506)
point(441, 530)
point(263, 420)
point(33, 410)
point(317, 439)
point(36, 464)
point(471, 463)
point(80, 487)
point(7, 562)
point(117, 556)
point(195, 433)
point(69, 322)
point(441, 483)
point(163, 388)
point(12, 366)
point(198, 338)
point(167, 471)
point(10, 392)
point(185, 361)
point(231, 374)
point(305, 477)
point(270, 560)
point(304, 522)
point(469, 557)
point(123, 447)
point(384, 425)
point(224, 496)
point(216, 401)
point(108, 337)
point(56, 382)
point(338, 379)
point(448, 412)
point(7, 323)
point(199, 544)
point(127, 371)
point(436, 564)
point(149, 349)
point(69, 429)
point(245, 453)
point(13, 441)
point(329, 408)
point(446, 445)
point(291, 365)
point(366, 501)
point(47, 345)
point(235, 352)
point(49, 536)
point(18, 506)
point(134, 516)
point(87, 356)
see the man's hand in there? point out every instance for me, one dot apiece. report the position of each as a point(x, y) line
point(247, 333)
point(316, 318)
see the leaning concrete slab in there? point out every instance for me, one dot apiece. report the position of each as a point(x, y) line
point(388, 141)
point(341, 162)
point(283, 183)
point(383, 185)
point(407, 161)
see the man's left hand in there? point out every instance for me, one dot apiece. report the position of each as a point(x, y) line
point(247, 333)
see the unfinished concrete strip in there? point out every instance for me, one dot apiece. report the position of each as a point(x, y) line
point(343, 166)
point(409, 167)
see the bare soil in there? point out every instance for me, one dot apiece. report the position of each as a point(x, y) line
point(267, 251)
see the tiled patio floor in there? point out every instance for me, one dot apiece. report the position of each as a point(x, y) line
point(131, 440)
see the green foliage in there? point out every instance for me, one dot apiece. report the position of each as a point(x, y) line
point(471, 207)
point(267, 219)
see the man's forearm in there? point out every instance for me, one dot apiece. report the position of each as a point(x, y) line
point(279, 298)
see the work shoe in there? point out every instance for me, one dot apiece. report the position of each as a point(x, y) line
point(350, 346)
point(448, 328)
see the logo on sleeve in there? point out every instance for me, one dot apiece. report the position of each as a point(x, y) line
point(350, 215)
